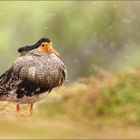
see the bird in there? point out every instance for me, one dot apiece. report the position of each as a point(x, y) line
point(34, 74)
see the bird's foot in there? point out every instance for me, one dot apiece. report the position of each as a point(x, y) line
point(18, 110)
point(31, 109)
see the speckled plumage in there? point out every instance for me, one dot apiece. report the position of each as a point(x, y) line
point(32, 74)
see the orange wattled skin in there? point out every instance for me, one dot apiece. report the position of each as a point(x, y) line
point(45, 47)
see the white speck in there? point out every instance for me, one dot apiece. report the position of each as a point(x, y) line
point(46, 28)
point(126, 46)
point(76, 60)
point(127, 57)
point(41, 12)
point(52, 14)
point(32, 71)
point(114, 5)
point(22, 89)
point(94, 3)
point(127, 20)
point(91, 18)
point(68, 18)
point(38, 89)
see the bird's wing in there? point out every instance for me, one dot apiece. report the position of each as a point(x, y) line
point(27, 77)
point(8, 81)
point(11, 82)
point(62, 74)
point(5, 77)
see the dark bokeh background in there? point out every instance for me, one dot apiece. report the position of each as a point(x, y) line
point(85, 33)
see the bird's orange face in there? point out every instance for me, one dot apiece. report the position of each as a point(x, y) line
point(46, 47)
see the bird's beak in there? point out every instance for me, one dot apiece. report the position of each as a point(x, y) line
point(52, 50)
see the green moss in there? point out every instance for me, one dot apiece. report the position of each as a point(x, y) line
point(119, 100)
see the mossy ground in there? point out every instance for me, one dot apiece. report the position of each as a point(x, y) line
point(101, 106)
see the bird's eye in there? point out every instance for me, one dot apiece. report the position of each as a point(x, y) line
point(43, 45)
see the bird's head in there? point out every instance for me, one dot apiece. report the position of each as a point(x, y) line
point(44, 45)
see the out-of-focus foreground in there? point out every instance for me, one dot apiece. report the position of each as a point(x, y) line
point(101, 106)
point(99, 43)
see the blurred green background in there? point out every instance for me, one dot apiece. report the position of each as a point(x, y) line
point(85, 33)
point(99, 42)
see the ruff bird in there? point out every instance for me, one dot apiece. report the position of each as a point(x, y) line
point(34, 74)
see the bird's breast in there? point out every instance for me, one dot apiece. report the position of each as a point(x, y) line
point(44, 70)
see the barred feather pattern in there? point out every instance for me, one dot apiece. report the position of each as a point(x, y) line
point(31, 75)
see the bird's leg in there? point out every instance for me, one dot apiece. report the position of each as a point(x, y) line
point(31, 109)
point(17, 108)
